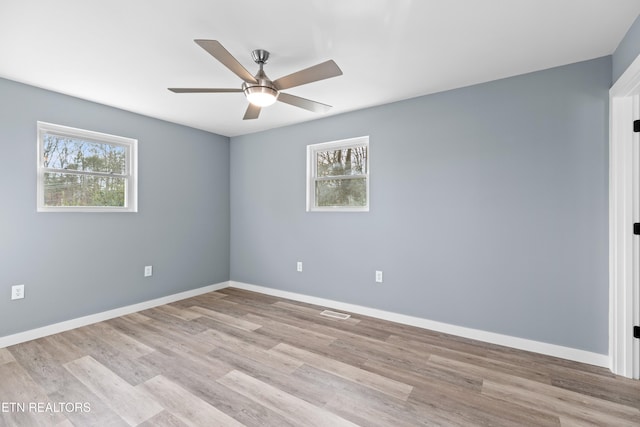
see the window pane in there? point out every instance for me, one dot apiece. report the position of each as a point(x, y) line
point(341, 162)
point(61, 152)
point(341, 192)
point(68, 189)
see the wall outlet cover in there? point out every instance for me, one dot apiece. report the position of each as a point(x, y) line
point(17, 292)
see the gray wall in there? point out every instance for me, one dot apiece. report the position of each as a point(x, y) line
point(627, 51)
point(489, 208)
point(74, 264)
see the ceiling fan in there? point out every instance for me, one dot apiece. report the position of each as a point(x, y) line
point(259, 89)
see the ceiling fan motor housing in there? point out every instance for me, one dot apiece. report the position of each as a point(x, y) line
point(262, 93)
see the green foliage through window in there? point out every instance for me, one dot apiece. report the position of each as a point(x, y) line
point(339, 175)
point(73, 189)
point(77, 170)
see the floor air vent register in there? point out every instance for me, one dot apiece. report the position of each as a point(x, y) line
point(335, 315)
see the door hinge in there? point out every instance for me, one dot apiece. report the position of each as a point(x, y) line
point(636, 228)
point(636, 125)
point(636, 331)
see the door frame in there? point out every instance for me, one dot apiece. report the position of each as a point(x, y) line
point(624, 202)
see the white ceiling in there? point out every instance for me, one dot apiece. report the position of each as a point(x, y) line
point(125, 53)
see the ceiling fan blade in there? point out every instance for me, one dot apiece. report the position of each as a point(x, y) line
point(253, 111)
point(321, 71)
point(307, 104)
point(201, 90)
point(221, 54)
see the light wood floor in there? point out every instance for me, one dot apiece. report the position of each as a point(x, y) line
point(233, 358)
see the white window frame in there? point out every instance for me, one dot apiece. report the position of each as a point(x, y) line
point(312, 175)
point(130, 173)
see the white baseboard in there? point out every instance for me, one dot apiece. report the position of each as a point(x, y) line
point(490, 337)
point(55, 328)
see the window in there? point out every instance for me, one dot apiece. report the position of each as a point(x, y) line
point(338, 175)
point(85, 171)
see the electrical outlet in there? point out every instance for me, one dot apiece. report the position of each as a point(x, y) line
point(378, 276)
point(148, 271)
point(17, 292)
point(299, 266)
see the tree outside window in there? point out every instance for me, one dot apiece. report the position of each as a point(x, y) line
point(84, 170)
point(338, 175)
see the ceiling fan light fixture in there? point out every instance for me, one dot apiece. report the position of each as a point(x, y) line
point(261, 96)
point(259, 89)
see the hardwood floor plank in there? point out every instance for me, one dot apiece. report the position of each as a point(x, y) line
point(461, 407)
point(130, 403)
point(317, 323)
point(291, 407)
point(250, 337)
point(380, 351)
point(93, 344)
point(266, 361)
point(572, 406)
point(358, 403)
point(204, 386)
point(153, 334)
point(219, 305)
point(42, 367)
point(360, 376)
point(182, 313)
point(578, 399)
point(288, 333)
point(98, 414)
point(258, 355)
point(185, 406)
point(350, 347)
point(200, 380)
point(614, 389)
point(288, 382)
point(173, 323)
point(163, 419)
point(43, 358)
point(315, 392)
point(5, 356)
point(18, 388)
point(248, 297)
point(208, 298)
point(427, 373)
point(124, 344)
point(61, 348)
point(565, 422)
point(444, 354)
point(176, 364)
point(431, 342)
point(534, 389)
point(312, 312)
point(135, 318)
point(361, 412)
point(321, 325)
point(226, 319)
